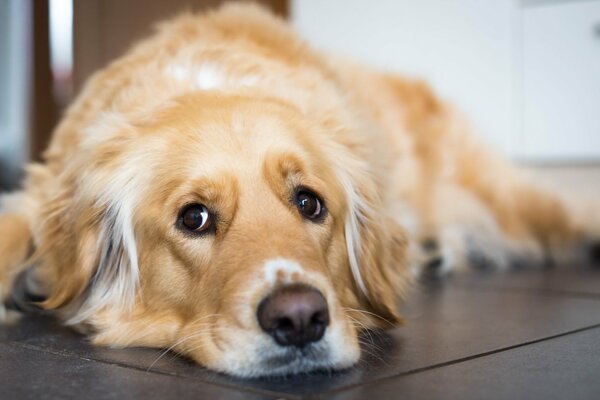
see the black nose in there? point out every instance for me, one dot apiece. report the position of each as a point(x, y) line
point(294, 315)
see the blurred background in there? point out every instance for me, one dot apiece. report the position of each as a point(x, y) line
point(526, 72)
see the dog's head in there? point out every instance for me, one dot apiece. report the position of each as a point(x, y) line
point(233, 230)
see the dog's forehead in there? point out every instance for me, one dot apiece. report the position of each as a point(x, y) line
point(228, 123)
point(211, 141)
point(231, 137)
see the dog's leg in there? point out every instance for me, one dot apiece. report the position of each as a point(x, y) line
point(472, 205)
point(533, 220)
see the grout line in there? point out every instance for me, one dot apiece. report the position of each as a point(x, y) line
point(460, 360)
point(68, 354)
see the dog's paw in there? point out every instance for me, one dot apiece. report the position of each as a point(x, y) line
point(433, 261)
point(452, 252)
point(7, 315)
point(3, 312)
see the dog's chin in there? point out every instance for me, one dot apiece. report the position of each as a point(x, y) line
point(293, 361)
point(271, 360)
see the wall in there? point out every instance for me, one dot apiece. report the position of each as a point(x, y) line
point(463, 48)
point(526, 72)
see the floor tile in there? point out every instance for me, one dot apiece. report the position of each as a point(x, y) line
point(445, 323)
point(31, 374)
point(566, 367)
point(581, 280)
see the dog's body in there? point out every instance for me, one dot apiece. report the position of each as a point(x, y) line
point(223, 162)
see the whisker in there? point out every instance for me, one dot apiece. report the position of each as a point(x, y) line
point(180, 341)
point(173, 346)
point(367, 350)
point(372, 349)
point(365, 329)
point(368, 313)
point(371, 345)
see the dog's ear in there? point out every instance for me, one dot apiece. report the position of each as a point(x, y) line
point(376, 250)
point(87, 247)
point(88, 252)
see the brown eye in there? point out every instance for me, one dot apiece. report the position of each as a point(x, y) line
point(309, 205)
point(195, 218)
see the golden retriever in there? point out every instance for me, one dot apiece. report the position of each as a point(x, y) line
point(225, 191)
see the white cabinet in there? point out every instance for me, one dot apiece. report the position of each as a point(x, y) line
point(560, 55)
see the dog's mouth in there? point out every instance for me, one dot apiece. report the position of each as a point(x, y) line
point(311, 353)
point(294, 360)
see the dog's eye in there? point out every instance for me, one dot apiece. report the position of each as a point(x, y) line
point(309, 204)
point(196, 218)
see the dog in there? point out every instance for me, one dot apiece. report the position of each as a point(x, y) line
point(227, 192)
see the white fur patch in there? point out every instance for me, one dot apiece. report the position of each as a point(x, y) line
point(177, 72)
point(281, 269)
point(356, 211)
point(208, 76)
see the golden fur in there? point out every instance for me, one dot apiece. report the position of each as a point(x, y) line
point(233, 110)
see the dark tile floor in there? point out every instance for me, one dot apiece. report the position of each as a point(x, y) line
point(505, 335)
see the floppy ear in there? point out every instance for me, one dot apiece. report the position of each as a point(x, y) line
point(88, 252)
point(66, 258)
point(376, 250)
point(87, 247)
